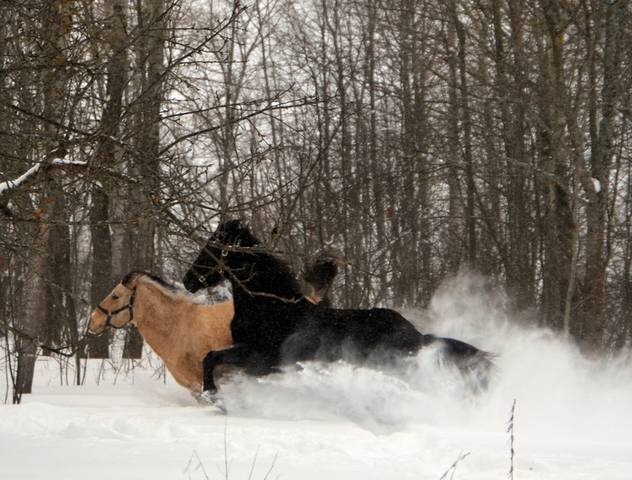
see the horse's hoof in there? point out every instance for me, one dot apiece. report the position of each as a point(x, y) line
point(213, 399)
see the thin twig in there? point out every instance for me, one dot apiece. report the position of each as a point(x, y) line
point(452, 468)
point(198, 466)
point(226, 448)
point(276, 455)
point(254, 462)
point(511, 431)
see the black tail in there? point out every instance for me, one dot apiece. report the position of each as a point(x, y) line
point(476, 365)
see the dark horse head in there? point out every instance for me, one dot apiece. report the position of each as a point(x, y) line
point(233, 252)
point(226, 249)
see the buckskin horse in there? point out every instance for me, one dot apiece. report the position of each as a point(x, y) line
point(274, 325)
point(178, 329)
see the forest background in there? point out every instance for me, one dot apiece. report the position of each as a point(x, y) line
point(414, 138)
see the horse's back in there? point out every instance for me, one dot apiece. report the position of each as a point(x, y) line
point(365, 332)
point(265, 325)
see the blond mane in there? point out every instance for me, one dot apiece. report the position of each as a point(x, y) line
point(176, 293)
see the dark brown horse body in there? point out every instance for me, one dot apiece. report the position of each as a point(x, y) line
point(274, 325)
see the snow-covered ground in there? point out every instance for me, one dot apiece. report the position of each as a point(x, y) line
point(573, 416)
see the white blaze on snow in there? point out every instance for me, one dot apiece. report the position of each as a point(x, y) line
point(342, 422)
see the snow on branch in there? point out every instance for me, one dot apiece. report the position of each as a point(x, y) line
point(56, 158)
point(13, 184)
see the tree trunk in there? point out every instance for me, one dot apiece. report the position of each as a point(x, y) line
point(56, 24)
point(101, 284)
point(559, 225)
point(601, 156)
point(34, 311)
point(452, 254)
point(466, 124)
point(102, 253)
point(147, 162)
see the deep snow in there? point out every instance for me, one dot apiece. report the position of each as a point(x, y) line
point(573, 416)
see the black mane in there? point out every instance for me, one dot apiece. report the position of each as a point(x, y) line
point(277, 275)
point(234, 252)
point(278, 278)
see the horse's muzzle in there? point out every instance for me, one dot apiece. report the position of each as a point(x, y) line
point(91, 329)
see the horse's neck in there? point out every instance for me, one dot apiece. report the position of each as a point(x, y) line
point(272, 280)
point(255, 296)
point(157, 316)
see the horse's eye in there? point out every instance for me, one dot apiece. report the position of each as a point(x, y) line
point(115, 296)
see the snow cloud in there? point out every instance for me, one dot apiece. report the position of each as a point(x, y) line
point(560, 394)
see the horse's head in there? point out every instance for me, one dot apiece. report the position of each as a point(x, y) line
point(222, 251)
point(117, 309)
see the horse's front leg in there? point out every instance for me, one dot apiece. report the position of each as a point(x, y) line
point(239, 355)
point(212, 359)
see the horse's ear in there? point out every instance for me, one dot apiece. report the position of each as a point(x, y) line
point(126, 280)
point(130, 279)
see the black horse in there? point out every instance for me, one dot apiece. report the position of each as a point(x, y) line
point(274, 324)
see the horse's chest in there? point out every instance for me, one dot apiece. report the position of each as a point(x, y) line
point(262, 327)
point(186, 370)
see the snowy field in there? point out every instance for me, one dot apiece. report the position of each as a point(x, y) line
point(573, 417)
